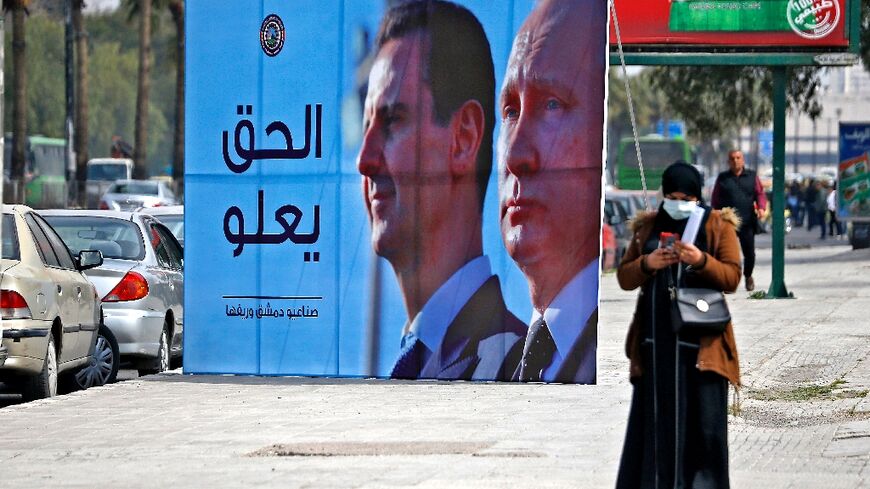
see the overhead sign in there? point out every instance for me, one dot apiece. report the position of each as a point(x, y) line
point(744, 23)
point(358, 196)
point(725, 31)
point(853, 187)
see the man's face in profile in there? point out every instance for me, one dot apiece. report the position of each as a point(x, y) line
point(735, 161)
point(404, 151)
point(550, 144)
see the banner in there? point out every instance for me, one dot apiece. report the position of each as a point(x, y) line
point(412, 192)
point(853, 187)
point(738, 23)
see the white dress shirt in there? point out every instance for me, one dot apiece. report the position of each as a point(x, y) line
point(431, 323)
point(568, 313)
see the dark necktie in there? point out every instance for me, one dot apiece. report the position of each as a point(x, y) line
point(537, 353)
point(410, 360)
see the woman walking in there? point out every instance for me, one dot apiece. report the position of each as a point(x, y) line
point(677, 426)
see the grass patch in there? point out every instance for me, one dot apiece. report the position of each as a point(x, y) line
point(759, 294)
point(811, 392)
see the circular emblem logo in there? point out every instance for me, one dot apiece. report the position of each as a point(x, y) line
point(272, 35)
point(813, 19)
point(702, 305)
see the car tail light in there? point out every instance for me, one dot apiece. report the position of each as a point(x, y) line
point(104, 206)
point(13, 305)
point(132, 286)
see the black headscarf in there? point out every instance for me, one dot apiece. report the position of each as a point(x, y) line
point(682, 177)
point(679, 177)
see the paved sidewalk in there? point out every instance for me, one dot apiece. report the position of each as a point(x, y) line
point(803, 420)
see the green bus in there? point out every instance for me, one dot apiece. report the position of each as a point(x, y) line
point(44, 171)
point(657, 151)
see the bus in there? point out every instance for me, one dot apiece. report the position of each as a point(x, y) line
point(45, 173)
point(657, 151)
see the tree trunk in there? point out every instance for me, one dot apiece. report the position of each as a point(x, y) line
point(139, 157)
point(80, 140)
point(19, 102)
point(177, 8)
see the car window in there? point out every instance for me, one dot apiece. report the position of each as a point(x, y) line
point(107, 171)
point(175, 223)
point(115, 238)
point(159, 247)
point(10, 239)
point(134, 188)
point(57, 245)
point(42, 245)
point(171, 246)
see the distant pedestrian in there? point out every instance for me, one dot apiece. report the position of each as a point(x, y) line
point(740, 189)
point(831, 206)
point(810, 195)
point(820, 207)
point(677, 433)
point(794, 202)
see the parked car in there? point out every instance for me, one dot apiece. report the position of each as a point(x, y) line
point(172, 216)
point(51, 312)
point(128, 195)
point(102, 173)
point(617, 217)
point(141, 281)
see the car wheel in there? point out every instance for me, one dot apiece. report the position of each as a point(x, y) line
point(161, 363)
point(43, 384)
point(102, 367)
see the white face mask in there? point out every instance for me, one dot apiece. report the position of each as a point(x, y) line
point(679, 209)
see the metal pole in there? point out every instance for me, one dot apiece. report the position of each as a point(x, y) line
point(70, 102)
point(777, 285)
point(814, 144)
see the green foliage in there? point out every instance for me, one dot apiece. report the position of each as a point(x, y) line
point(45, 81)
point(865, 33)
point(113, 66)
point(719, 100)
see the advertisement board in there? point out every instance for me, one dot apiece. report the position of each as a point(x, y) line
point(737, 32)
point(853, 187)
point(392, 193)
point(759, 23)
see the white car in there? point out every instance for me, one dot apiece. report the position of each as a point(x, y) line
point(141, 280)
point(51, 312)
point(129, 195)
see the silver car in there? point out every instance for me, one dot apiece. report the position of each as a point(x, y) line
point(51, 312)
point(172, 216)
point(141, 281)
point(129, 195)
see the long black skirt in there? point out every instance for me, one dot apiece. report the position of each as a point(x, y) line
point(677, 434)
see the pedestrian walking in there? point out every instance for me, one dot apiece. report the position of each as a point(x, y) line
point(831, 207)
point(740, 189)
point(821, 206)
point(677, 426)
point(810, 196)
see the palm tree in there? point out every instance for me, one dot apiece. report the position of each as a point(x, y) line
point(144, 86)
point(80, 138)
point(176, 7)
point(19, 87)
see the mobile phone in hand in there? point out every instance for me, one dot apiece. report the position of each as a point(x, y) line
point(667, 240)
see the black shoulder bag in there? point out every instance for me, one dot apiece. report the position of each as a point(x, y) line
point(699, 310)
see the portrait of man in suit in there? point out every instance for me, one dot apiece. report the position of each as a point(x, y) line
point(550, 177)
point(425, 160)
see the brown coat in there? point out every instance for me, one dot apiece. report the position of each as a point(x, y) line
point(717, 353)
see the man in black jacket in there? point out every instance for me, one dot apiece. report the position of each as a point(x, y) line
point(741, 189)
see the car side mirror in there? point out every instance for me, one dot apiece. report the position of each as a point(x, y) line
point(88, 259)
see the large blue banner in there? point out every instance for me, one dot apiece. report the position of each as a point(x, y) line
point(367, 196)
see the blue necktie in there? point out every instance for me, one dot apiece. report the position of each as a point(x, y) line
point(410, 360)
point(538, 352)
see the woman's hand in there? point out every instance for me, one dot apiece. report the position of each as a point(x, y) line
point(661, 258)
point(689, 254)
